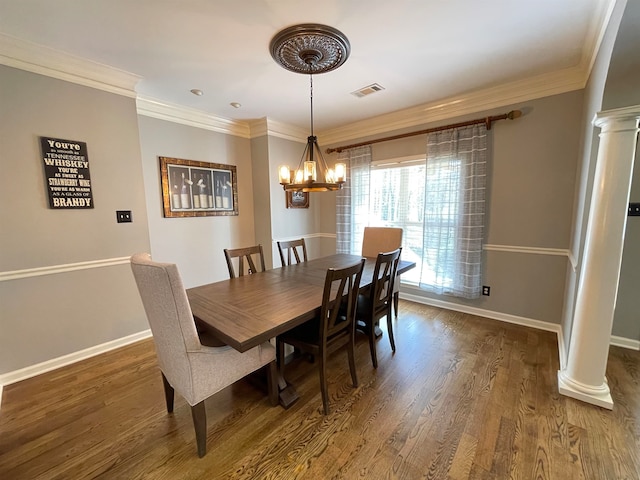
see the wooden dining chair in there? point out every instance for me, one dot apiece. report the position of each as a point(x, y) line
point(247, 254)
point(296, 247)
point(334, 328)
point(383, 239)
point(377, 303)
point(196, 371)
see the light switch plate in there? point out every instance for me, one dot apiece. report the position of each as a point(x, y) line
point(124, 216)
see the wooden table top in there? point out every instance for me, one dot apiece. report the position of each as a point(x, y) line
point(249, 310)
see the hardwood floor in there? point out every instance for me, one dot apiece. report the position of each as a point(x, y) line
point(463, 397)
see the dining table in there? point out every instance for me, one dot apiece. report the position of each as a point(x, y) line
point(246, 311)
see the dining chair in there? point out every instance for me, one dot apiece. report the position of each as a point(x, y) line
point(196, 371)
point(247, 254)
point(376, 304)
point(296, 247)
point(334, 328)
point(383, 239)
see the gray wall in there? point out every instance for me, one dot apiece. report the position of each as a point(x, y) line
point(48, 316)
point(195, 244)
point(262, 198)
point(622, 89)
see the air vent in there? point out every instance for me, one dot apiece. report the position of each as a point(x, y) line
point(368, 90)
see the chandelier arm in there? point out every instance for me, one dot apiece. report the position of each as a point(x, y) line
point(304, 154)
point(322, 163)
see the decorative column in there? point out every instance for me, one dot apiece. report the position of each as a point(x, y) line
point(584, 375)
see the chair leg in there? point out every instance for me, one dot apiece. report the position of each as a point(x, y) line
point(396, 297)
point(352, 361)
point(272, 383)
point(168, 393)
point(390, 331)
point(323, 382)
point(372, 346)
point(199, 415)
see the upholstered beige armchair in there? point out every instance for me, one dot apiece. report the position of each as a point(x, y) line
point(194, 370)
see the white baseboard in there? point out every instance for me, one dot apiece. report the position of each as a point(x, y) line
point(504, 317)
point(54, 363)
point(625, 342)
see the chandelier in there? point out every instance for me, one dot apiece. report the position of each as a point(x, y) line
point(311, 48)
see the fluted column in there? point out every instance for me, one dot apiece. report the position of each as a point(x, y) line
point(584, 375)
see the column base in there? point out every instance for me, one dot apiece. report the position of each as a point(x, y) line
point(600, 396)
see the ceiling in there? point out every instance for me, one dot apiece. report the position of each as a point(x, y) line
point(422, 52)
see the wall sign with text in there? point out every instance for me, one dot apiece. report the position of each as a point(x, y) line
point(66, 171)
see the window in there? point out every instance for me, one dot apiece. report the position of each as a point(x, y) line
point(397, 200)
point(437, 201)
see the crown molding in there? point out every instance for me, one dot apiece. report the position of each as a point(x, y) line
point(273, 128)
point(42, 60)
point(595, 35)
point(545, 85)
point(151, 107)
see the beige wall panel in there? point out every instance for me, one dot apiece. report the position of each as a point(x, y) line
point(53, 315)
point(49, 316)
point(532, 174)
point(525, 285)
point(195, 244)
point(33, 235)
point(262, 198)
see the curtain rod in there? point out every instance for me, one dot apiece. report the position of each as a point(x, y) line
point(487, 121)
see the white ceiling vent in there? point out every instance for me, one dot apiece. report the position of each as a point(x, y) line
point(368, 90)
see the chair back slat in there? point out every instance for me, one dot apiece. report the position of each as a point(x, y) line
point(382, 283)
point(339, 304)
point(294, 247)
point(246, 257)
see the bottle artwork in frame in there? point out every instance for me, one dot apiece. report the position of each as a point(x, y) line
point(198, 189)
point(297, 199)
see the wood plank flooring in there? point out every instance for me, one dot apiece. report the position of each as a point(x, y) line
point(464, 397)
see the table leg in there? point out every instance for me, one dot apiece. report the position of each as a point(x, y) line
point(287, 393)
point(288, 396)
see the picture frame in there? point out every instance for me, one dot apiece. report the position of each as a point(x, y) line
point(192, 188)
point(297, 199)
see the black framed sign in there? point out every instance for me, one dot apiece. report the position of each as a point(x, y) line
point(66, 171)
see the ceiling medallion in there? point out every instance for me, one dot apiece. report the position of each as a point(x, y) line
point(310, 48)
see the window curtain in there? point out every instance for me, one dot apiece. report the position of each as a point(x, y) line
point(454, 211)
point(352, 201)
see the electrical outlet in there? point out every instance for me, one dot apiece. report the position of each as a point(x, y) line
point(634, 209)
point(486, 290)
point(124, 216)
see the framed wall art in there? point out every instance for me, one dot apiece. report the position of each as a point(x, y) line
point(198, 189)
point(297, 199)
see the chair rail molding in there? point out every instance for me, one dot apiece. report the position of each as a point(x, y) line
point(55, 269)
